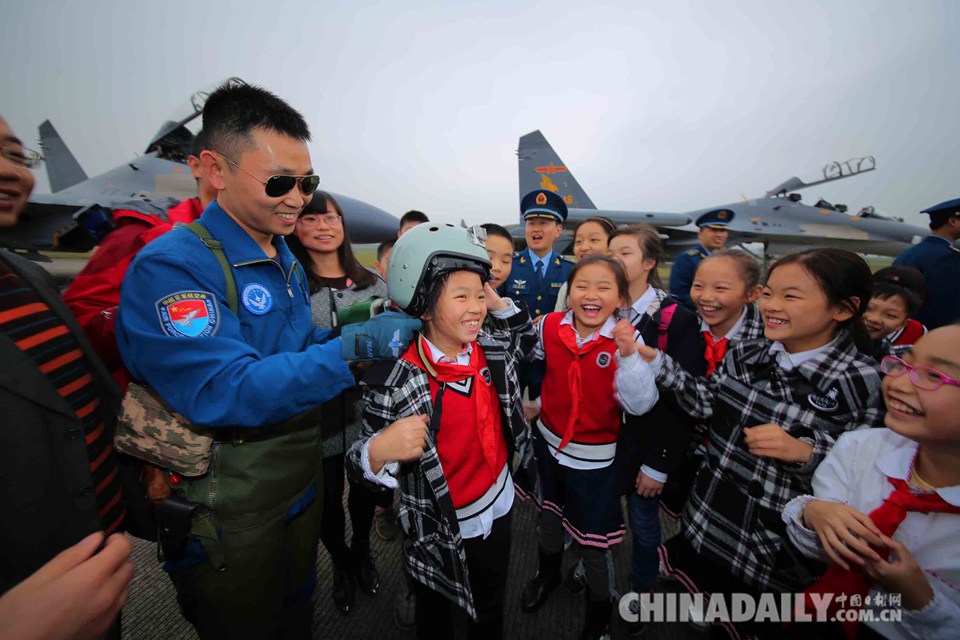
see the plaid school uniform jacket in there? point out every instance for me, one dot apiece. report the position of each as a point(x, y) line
point(733, 513)
point(433, 548)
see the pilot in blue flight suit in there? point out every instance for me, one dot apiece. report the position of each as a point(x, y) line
point(712, 236)
point(938, 259)
point(538, 271)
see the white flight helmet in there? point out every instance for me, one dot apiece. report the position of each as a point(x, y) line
point(428, 251)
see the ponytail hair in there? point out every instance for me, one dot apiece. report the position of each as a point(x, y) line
point(648, 238)
point(845, 280)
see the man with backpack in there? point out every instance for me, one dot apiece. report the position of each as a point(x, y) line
point(215, 320)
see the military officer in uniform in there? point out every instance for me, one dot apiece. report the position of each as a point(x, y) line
point(538, 271)
point(938, 259)
point(712, 236)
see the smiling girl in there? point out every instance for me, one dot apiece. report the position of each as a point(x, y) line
point(775, 407)
point(593, 374)
point(885, 505)
point(449, 410)
point(725, 287)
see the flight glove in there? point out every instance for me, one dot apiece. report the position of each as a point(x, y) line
point(383, 337)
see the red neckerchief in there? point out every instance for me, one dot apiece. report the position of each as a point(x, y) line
point(452, 372)
point(713, 352)
point(568, 336)
point(887, 517)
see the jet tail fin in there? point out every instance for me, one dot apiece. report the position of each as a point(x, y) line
point(62, 168)
point(541, 168)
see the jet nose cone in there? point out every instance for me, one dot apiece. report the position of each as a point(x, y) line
point(366, 223)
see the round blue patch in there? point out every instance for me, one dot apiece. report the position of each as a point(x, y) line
point(256, 298)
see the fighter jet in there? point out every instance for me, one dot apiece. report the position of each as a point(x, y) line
point(77, 213)
point(778, 220)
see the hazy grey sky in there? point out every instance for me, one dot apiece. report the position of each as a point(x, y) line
point(668, 106)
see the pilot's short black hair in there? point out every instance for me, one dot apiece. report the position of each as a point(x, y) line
point(413, 216)
point(233, 111)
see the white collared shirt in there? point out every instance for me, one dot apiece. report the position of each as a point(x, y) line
point(855, 472)
point(790, 361)
point(734, 330)
point(647, 298)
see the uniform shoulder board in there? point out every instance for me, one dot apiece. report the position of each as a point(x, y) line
point(692, 252)
point(565, 259)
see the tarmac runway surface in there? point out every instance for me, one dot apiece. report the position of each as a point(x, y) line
point(152, 613)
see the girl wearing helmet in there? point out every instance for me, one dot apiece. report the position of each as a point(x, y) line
point(443, 421)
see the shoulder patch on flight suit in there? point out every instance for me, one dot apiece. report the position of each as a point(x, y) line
point(189, 314)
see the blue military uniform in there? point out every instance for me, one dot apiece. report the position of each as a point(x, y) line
point(685, 265)
point(938, 260)
point(249, 563)
point(540, 297)
point(537, 294)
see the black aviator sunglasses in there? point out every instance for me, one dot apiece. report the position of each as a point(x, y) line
point(277, 186)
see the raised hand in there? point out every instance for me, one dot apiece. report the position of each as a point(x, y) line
point(403, 441)
point(623, 335)
point(494, 301)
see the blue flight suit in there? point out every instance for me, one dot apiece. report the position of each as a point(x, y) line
point(939, 262)
point(539, 300)
point(249, 566)
point(681, 275)
point(264, 365)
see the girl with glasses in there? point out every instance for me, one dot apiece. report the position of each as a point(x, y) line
point(885, 505)
point(774, 407)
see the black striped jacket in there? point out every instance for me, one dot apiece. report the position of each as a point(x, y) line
point(733, 513)
point(433, 548)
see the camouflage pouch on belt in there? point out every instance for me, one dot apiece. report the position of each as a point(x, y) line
point(150, 430)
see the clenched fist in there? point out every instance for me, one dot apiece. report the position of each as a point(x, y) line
point(624, 335)
point(403, 441)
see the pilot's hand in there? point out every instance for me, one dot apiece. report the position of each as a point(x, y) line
point(383, 337)
point(77, 594)
point(403, 441)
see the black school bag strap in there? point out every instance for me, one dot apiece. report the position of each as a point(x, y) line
point(217, 249)
point(663, 317)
